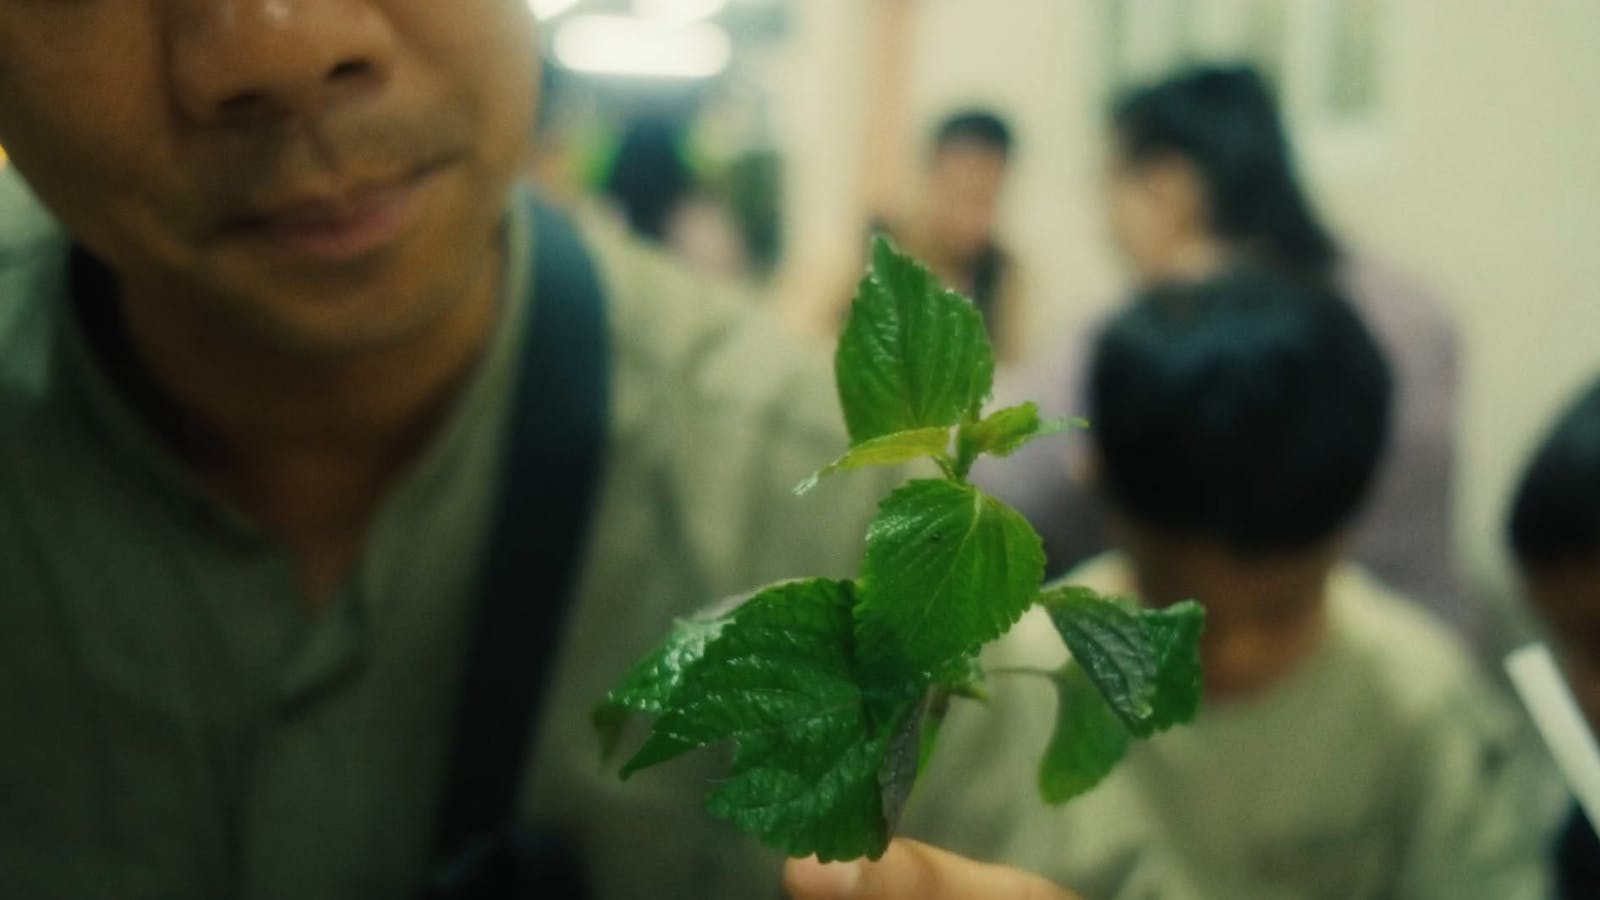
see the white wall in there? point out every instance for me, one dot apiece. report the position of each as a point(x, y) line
point(1490, 187)
point(821, 120)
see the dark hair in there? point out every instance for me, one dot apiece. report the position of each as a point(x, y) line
point(978, 126)
point(1224, 120)
point(649, 177)
point(1555, 516)
point(1249, 408)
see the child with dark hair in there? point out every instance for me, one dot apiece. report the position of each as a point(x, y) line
point(1347, 747)
point(1554, 531)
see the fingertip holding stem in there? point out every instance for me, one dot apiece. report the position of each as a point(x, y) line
point(810, 879)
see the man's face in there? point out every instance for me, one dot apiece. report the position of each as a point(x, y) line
point(1567, 595)
point(965, 182)
point(322, 175)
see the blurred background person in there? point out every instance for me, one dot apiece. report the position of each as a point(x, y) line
point(1201, 177)
point(950, 221)
point(657, 116)
point(953, 226)
point(1554, 530)
point(653, 187)
point(649, 180)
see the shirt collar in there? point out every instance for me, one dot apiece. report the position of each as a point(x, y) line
point(86, 334)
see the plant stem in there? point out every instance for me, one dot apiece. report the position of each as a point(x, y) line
point(963, 462)
point(1032, 671)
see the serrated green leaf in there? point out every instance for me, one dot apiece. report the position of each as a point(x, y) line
point(649, 685)
point(1088, 742)
point(889, 450)
point(913, 355)
point(1175, 633)
point(779, 681)
point(1146, 663)
point(736, 683)
point(948, 568)
point(810, 791)
point(1006, 431)
point(1107, 638)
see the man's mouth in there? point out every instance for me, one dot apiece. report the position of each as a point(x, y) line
point(337, 224)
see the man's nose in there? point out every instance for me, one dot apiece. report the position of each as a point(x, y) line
point(244, 62)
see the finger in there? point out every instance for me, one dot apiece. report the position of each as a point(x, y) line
point(808, 879)
point(915, 871)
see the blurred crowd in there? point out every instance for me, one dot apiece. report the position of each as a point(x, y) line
point(1274, 416)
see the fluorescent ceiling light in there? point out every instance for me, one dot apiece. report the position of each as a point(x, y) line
point(549, 9)
point(680, 11)
point(625, 45)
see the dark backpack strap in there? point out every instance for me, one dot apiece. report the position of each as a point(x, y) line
point(557, 437)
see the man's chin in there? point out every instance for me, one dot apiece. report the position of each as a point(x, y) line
point(331, 323)
point(328, 305)
point(326, 312)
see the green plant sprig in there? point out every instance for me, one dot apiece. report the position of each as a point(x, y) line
point(832, 691)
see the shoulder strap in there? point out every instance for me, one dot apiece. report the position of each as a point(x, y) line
point(556, 441)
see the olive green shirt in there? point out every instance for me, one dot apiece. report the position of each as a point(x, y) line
point(175, 724)
point(1383, 768)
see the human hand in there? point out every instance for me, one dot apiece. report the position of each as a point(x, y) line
point(914, 871)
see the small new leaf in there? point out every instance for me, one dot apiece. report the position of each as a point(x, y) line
point(913, 355)
point(948, 569)
point(889, 450)
point(778, 679)
point(1145, 662)
point(1005, 432)
point(1088, 742)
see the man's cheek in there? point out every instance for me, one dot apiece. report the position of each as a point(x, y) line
point(53, 133)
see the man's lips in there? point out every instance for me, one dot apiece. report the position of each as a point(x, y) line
point(338, 225)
